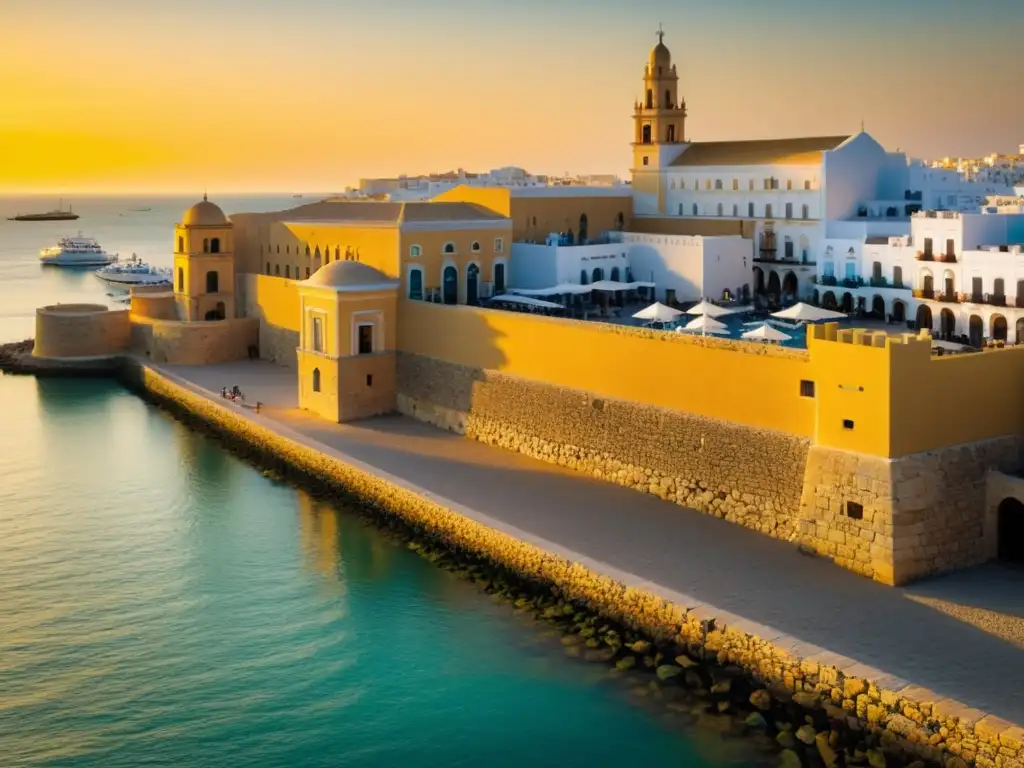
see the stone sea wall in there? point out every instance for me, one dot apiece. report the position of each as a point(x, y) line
point(903, 722)
point(748, 476)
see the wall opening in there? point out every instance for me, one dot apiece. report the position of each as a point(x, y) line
point(366, 339)
point(369, 379)
point(212, 282)
point(854, 511)
point(316, 379)
point(806, 388)
point(1010, 535)
point(215, 245)
point(847, 423)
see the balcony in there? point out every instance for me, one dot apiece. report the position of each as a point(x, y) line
point(852, 282)
point(996, 299)
point(923, 293)
point(949, 298)
point(924, 256)
point(882, 282)
point(827, 280)
point(947, 258)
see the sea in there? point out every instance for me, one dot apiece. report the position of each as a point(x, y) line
point(163, 603)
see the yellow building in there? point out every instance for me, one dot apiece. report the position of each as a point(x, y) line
point(453, 252)
point(346, 354)
point(204, 264)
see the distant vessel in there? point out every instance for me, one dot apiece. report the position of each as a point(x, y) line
point(140, 210)
point(58, 215)
point(133, 272)
point(76, 252)
point(297, 197)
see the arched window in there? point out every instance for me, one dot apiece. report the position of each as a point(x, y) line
point(287, 270)
point(670, 135)
point(316, 379)
point(718, 183)
point(416, 284)
point(668, 100)
point(473, 285)
point(614, 276)
point(650, 99)
point(415, 251)
point(181, 244)
point(181, 280)
point(215, 245)
point(475, 247)
point(277, 270)
point(499, 277)
point(211, 282)
point(206, 245)
point(316, 253)
point(646, 135)
point(450, 285)
point(449, 247)
point(584, 278)
point(307, 250)
point(278, 248)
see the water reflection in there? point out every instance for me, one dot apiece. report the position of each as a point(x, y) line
point(206, 464)
point(319, 536)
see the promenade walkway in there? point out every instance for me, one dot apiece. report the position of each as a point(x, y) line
point(960, 636)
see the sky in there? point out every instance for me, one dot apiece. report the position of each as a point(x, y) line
point(311, 95)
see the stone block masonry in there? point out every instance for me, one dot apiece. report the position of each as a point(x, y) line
point(748, 476)
point(906, 720)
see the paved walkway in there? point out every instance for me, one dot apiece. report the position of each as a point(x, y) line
point(960, 636)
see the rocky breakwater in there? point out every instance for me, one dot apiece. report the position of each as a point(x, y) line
point(727, 673)
point(17, 358)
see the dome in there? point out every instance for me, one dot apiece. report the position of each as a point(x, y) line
point(204, 214)
point(660, 57)
point(349, 276)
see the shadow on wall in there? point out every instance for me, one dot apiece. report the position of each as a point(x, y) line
point(274, 302)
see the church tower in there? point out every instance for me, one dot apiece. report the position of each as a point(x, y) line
point(659, 118)
point(204, 264)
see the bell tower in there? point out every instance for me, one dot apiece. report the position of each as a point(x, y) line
point(204, 264)
point(659, 118)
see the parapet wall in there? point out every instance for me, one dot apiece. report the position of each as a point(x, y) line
point(749, 476)
point(193, 343)
point(80, 330)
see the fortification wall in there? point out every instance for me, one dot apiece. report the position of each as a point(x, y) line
point(745, 475)
point(195, 343)
point(80, 330)
point(274, 302)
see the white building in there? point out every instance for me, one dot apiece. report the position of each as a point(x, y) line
point(959, 274)
point(684, 268)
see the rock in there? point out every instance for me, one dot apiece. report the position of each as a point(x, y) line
point(627, 662)
point(876, 759)
point(641, 646)
point(806, 700)
point(806, 734)
point(756, 720)
point(593, 642)
point(786, 740)
point(723, 687)
point(789, 759)
point(587, 632)
point(649, 662)
point(693, 680)
point(828, 755)
point(722, 706)
point(599, 655)
point(685, 662)
point(571, 640)
point(668, 671)
point(761, 699)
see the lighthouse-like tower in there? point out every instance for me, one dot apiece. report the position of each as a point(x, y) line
point(204, 264)
point(659, 118)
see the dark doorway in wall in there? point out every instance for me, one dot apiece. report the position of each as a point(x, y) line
point(1010, 534)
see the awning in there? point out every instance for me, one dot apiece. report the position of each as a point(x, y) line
point(766, 333)
point(657, 313)
point(709, 309)
point(808, 314)
point(526, 301)
point(705, 324)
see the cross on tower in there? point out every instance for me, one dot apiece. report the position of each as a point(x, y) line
point(660, 33)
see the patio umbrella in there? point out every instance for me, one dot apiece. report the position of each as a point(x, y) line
point(767, 333)
point(528, 301)
point(657, 313)
point(705, 324)
point(808, 314)
point(709, 309)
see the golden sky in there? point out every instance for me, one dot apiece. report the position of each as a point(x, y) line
point(310, 95)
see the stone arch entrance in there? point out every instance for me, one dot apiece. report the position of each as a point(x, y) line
point(899, 311)
point(947, 323)
point(878, 307)
point(976, 331)
point(828, 301)
point(1010, 531)
point(924, 317)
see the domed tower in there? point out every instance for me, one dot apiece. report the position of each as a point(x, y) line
point(659, 118)
point(204, 264)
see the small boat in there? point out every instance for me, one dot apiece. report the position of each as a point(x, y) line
point(76, 252)
point(58, 215)
point(140, 210)
point(133, 272)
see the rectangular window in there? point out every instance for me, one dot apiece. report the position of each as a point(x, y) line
point(830, 269)
point(369, 379)
point(768, 210)
point(750, 185)
point(854, 511)
point(807, 185)
point(789, 183)
point(318, 334)
point(789, 210)
point(750, 209)
point(499, 245)
point(851, 270)
point(707, 184)
point(807, 212)
point(806, 388)
point(366, 339)
point(848, 424)
point(735, 184)
point(928, 246)
point(950, 250)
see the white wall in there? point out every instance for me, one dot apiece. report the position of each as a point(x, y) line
point(532, 266)
point(855, 171)
point(694, 267)
point(727, 266)
point(542, 266)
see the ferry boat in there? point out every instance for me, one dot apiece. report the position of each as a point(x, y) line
point(133, 272)
point(76, 252)
point(58, 215)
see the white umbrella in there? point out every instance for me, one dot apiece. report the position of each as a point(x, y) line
point(526, 301)
point(767, 333)
point(657, 313)
point(807, 313)
point(709, 309)
point(705, 324)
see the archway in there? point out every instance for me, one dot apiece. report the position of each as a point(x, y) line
point(828, 301)
point(615, 275)
point(947, 323)
point(215, 245)
point(217, 313)
point(789, 284)
point(998, 328)
point(1010, 531)
point(583, 228)
point(451, 285)
point(976, 331)
point(774, 285)
point(416, 284)
point(646, 135)
point(758, 281)
point(597, 274)
point(316, 379)
point(847, 305)
point(924, 317)
point(878, 307)
point(472, 284)
point(899, 311)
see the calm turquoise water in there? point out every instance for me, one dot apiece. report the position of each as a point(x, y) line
point(165, 604)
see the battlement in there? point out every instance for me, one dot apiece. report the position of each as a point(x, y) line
point(867, 338)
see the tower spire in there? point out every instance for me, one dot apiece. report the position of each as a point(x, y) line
point(660, 33)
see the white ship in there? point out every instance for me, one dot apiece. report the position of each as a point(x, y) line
point(76, 252)
point(133, 272)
